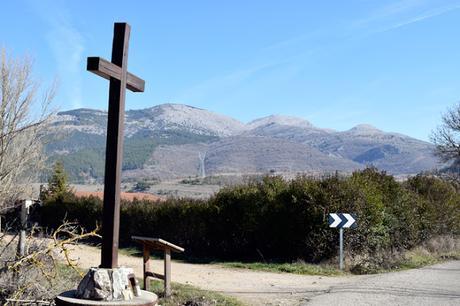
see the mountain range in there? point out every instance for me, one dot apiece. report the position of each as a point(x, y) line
point(176, 141)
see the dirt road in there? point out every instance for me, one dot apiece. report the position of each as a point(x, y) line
point(254, 288)
point(435, 285)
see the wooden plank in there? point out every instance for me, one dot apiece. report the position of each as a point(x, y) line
point(106, 69)
point(155, 275)
point(158, 243)
point(167, 275)
point(134, 83)
point(103, 68)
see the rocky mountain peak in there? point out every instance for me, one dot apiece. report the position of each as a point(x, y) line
point(196, 120)
point(364, 129)
point(280, 120)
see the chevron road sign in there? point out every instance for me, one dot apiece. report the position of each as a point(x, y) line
point(341, 220)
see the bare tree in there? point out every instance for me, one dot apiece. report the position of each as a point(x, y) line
point(23, 120)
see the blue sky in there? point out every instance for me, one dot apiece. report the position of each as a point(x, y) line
point(392, 64)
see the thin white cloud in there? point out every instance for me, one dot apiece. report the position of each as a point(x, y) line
point(295, 40)
point(222, 84)
point(399, 14)
point(385, 18)
point(67, 45)
point(426, 15)
point(387, 12)
point(298, 51)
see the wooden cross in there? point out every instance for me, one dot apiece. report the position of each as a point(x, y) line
point(120, 79)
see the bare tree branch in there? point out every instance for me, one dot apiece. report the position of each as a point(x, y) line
point(34, 276)
point(23, 121)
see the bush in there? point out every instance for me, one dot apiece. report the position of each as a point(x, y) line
point(141, 186)
point(278, 220)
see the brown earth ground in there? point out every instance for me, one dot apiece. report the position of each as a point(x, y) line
point(431, 285)
point(129, 196)
point(251, 287)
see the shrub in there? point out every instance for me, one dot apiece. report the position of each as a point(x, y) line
point(275, 219)
point(141, 186)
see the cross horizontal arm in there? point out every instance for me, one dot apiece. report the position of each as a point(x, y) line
point(107, 69)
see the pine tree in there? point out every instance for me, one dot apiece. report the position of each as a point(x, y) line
point(58, 187)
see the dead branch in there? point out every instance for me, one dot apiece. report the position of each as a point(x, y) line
point(74, 234)
point(34, 277)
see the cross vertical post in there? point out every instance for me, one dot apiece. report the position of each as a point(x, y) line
point(114, 150)
point(120, 79)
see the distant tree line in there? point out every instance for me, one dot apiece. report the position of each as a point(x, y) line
point(86, 163)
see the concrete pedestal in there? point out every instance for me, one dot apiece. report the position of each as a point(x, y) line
point(68, 299)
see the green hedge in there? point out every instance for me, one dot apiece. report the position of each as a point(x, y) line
point(276, 219)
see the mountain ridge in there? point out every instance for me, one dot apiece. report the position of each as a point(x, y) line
point(287, 120)
point(272, 143)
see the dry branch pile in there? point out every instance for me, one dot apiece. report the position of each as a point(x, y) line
point(38, 276)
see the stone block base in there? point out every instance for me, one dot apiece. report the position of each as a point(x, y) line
point(106, 285)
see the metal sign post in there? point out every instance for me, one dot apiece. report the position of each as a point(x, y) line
point(341, 221)
point(341, 249)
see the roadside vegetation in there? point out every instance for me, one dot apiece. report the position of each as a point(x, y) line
point(278, 220)
point(295, 268)
point(433, 251)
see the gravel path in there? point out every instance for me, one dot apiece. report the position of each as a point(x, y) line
point(434, 285)
point(252, 287)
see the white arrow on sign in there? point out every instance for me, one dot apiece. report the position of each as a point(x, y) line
point(337, 220)
point(350, 220)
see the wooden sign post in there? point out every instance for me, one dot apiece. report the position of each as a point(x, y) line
point(120, 79)
point(150, 244)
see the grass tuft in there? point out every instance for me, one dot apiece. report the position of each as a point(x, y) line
point(131, 251)
point(433, 251)
point(191, 296)
point(295, 268)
